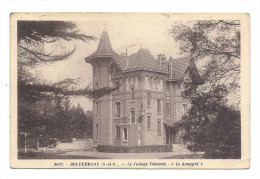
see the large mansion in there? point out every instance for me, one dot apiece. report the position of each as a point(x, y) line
point(147, 103)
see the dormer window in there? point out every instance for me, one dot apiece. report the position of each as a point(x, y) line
point(151, 82)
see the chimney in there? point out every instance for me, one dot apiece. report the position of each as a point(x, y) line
point(123, 54)
point(162, 60)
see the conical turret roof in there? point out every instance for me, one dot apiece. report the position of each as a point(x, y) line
point(104, 46)
point(105, 49)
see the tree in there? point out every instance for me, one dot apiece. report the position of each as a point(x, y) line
point(216, 45)
point(213, 122)
point(59, 121)
point(44, 43)
point(69, 122)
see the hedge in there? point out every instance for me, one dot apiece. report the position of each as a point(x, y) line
point(134, 149)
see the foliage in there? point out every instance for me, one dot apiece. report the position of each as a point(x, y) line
point(42, 43)
point(212, 124)
point(35, 36)
point(35, 92)
point(216, 45)
point(48, 31)
point(51, 120)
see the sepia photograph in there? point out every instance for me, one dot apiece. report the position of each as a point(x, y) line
point(130, 90)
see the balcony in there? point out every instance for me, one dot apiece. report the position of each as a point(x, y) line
point(126, 120)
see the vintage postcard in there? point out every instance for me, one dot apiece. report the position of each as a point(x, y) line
point(130, 90)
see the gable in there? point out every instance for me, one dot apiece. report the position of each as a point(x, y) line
point(192, 72)
point(179, 66)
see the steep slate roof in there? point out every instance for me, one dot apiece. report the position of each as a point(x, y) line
point(121, 61)
point(104, 47)
point(179, 66)
point(143, 59)
point(105, 50)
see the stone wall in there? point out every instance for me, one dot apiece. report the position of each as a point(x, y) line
point(76, 144)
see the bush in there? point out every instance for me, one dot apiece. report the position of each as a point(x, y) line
point(134, 149)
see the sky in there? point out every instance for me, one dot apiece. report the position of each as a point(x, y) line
point(147, 31)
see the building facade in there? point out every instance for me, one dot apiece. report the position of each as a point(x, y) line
point(147, 102)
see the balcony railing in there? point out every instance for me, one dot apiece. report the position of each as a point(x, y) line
point(126, 120)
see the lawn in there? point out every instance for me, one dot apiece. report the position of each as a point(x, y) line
point(49, 155)
point(60, 155)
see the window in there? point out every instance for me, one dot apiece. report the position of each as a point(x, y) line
point(151, 82)
point(97, 107)
point(125, 133)
point(117, 132)
point(159, 127)
point(96, 86)
point(184, 109)
point(117, 85)
point(132, 93)
point(167, 87)
point(98, 68)
point(139, 83)
point(117, 109)
point(148, 99)
point(158, 106)
point(132, 116)
point(97, 131)
point(94, 69)
point(159, 82)
point(148, 122)
point(168, 108)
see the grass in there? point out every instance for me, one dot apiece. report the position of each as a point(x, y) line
point(60, 155)
point(48, 155)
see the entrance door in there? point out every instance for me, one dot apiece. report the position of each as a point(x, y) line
point(169, 135)
point(177, 137)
